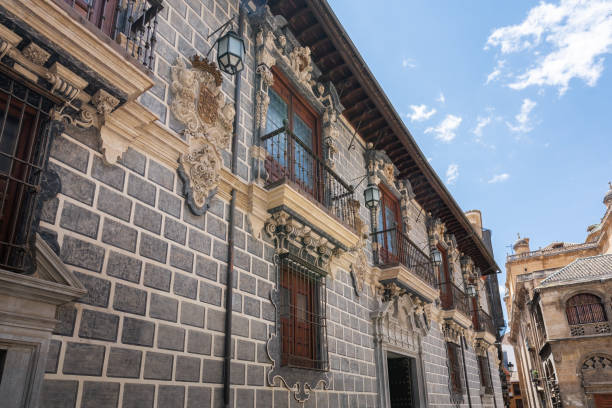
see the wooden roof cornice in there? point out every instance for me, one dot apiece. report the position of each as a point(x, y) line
point(315, 25)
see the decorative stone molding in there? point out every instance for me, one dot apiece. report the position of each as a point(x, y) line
point(199, 104)
point(452, 331)
point(400, 322)
point(330, 135)
point(35, 54)
point(381, 168)
point(291, 235)
point(596, 373)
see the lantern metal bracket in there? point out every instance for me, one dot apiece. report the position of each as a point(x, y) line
point(221, 28)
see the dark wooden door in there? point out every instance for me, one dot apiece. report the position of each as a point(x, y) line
point(603, 400)
point(400, 383)
point(388, 223)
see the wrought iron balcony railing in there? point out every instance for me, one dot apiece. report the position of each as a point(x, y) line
point(483, 322)
point(290, 159)
point(453, 297)
point(130, 22)
point(394, 248)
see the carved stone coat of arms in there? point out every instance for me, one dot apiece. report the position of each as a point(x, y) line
point(200, 105)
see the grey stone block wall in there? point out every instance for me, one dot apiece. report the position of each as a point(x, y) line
point(150, 330)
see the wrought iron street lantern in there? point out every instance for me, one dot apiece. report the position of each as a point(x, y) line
point(371, 195)
point(436, 257)
point(230, 53)
point(471, 290)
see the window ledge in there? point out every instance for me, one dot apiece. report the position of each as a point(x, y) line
point(88, 48)
point(457, 316)
point(486, 336)
point(408, 279)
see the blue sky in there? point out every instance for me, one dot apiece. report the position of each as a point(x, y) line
point(509, 100)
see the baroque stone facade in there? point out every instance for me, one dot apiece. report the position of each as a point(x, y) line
point(170, 216)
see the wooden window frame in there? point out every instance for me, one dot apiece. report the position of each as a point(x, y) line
point(585, 313)
point(388, 233)
point(303, 339)
point(485, 374)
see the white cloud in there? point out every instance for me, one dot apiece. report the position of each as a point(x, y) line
point(498, 178)
point(420, 113)
point(482, 123)
point(452, 172)
point(571, 38)
point(523, 122)
point(408, 63)
point(496, 72)
point(445, 131)
point(441, 98)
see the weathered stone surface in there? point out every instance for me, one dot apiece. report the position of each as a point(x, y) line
point(158, 366)
point(153, 248)
point(192, 315)
point(73, 185)
point(210, 294)
point(59, 393)
point(169, 204)
point(53, 356)
point(80, 220)
point(185, 286)
point(175, 231)
point(134, 161)
point(141, 189)
point(180, 258)
point(216, 227)
point(199, 342)
point(82, 254)
point(157, 277)
point(98, 290)
point(199, 397)
point(187, 369)
point(49, 210)
point(161, 175)
point(124, 363)
point(100, 394)
point(119, 235)
point(130, 299)
point(114, 204)
point(255, 375)
point(66, 316)
point(83, 359)
point(163, 307)
point(212, 371)
point(111, 175)
point(123, 267)
point(206, 268)
point(138, 395)
point(70, 153)
point(246, 350)
point(98, 325)
point(171, 396)
point(147, 218)
point(245, 398)
point(170, 337)
point(138, 332)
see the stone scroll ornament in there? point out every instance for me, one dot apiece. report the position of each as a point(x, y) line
point(200, 105)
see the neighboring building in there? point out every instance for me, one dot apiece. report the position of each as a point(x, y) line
point(175, 236)
point(559, 306)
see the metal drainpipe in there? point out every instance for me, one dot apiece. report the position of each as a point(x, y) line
point(467, 383)
point(237, 95)
point(229, 295)
point(229, 292)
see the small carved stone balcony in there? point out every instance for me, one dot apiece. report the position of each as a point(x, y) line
point(455, 303)
point(401, 259)
point(590, 329)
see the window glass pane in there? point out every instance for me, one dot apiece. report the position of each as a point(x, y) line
point(277, 111)
point(276, 145)
point(304, 164)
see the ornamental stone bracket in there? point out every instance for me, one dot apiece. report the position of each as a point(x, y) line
point(200, 105)
point(400, 322)
point(112, 109)
point(276, 46)
point(452, 332)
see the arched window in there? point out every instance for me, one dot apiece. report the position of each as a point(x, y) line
point(584, 309)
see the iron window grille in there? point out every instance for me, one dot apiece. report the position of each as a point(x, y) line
point(585, 309)
point(302, 314)
point(454, 367)
point(485, 374)
point(24, 146)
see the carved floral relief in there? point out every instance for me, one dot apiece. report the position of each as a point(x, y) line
point(208, 118)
